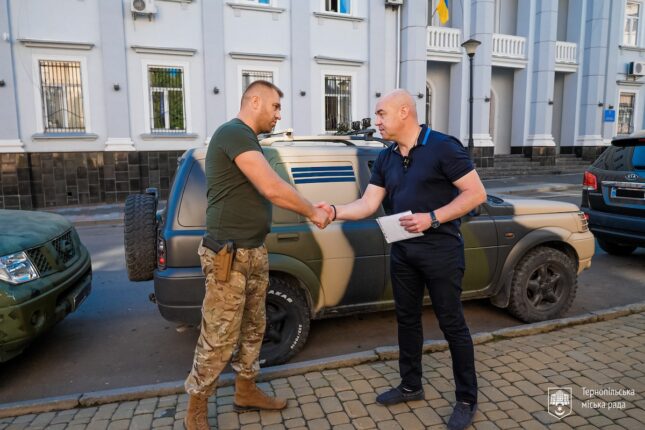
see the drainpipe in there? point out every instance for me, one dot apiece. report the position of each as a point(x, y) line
point(397, 79)
point(10, 40)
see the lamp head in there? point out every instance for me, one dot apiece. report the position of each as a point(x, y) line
point(471, 46)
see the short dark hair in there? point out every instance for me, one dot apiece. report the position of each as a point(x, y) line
point(265, 84)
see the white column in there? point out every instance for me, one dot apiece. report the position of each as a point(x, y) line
point(482, 21)
point(546, 30)
point(413, 50)
point(593, 74)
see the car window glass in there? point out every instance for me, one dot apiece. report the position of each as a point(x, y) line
point(330, 181)
point(192, 209)
point(614, 158)
point(280, 215)
point(638, 158)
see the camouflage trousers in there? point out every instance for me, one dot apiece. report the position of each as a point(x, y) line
point(233, 320)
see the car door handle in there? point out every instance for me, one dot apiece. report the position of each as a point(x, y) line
point(288, 236)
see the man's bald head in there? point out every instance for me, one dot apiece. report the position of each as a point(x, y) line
point(401, 99)
point(396, 115)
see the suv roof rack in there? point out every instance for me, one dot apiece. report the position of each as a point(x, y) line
point(351, 138)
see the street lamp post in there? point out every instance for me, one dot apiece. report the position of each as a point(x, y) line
point(470, 46)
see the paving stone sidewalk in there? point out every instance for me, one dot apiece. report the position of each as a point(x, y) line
point(603, 363)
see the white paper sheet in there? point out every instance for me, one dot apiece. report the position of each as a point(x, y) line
point(392, 229)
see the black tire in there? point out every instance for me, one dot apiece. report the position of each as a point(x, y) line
point(615, 248)
point(544, 285)
point(287, 329)
point(140, 234)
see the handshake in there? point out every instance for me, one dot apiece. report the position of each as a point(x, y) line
point(323, 214)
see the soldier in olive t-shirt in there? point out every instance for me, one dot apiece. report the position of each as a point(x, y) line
point(236, 210)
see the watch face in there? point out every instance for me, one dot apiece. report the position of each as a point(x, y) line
point(435, 224)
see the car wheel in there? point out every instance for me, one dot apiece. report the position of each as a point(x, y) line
point(287, 317)
point(140, 233)
point(614, 248)
point(544, 285)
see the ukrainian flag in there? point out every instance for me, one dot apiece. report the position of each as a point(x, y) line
point(442, 10)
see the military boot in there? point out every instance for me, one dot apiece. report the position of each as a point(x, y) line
point(197, 413)
point(248, 397)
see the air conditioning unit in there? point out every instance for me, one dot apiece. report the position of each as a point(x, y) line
point(393, 2)
point(637, 68)
point(143, 6)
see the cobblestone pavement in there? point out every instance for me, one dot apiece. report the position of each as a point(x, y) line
point(602, 363)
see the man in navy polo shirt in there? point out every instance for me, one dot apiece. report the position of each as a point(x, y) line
point(430, 174)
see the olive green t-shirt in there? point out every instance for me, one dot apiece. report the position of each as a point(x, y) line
point(236, 210)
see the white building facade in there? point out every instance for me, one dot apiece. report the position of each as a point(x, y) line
point(97, 101)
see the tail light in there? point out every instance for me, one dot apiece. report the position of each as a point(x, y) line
point(161, 253)
point(590, 182)
point(583, 224)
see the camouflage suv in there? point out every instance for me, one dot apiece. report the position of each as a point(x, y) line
point(45, 274)
point(524, 255)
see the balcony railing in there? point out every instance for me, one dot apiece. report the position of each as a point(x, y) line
point(442, 39)
point(507, 46)
point(565, 52)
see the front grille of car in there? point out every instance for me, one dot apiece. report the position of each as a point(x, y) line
point(54, 255)
point(64, 246)
point(39, 260)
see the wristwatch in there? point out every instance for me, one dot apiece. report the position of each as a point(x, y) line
point(435, 222)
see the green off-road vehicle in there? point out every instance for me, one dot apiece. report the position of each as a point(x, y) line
point(523, 254)
point(45, 274)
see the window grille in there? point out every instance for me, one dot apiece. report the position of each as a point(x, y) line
point(250, 76)
point(338, 102)
point(167, 106)
point(338, 6)
point(62, 96)
point(626, 114)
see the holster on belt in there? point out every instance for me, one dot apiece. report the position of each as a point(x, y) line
point(224, 256)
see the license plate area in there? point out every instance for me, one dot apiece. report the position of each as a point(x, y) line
point(627, 193)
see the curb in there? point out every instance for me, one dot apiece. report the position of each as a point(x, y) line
point(97, 398)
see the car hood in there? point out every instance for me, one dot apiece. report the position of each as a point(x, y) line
point(22, 230)
point(535, 206)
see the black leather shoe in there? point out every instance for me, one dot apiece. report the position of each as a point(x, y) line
point(398, 395)
point(462, 416)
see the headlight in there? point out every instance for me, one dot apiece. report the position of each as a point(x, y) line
point(17, 268)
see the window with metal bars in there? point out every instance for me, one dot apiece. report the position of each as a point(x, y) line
point(250, 76)
point(338, 6)
point(61, 91)
point(167, 106)
point(626, 113)
point(338, 102)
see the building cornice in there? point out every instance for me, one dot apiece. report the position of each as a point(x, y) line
point(257, 56)
point(185, 52)
point(321, 59)
point(56, 44)
point(338, 16)
point(629, 83)
point(255, 7)
point(632, 48)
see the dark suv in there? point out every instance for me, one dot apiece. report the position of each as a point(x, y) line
point(524, 255)
point(613, 196)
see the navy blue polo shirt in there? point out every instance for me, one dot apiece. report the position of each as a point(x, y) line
point(426, 184)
